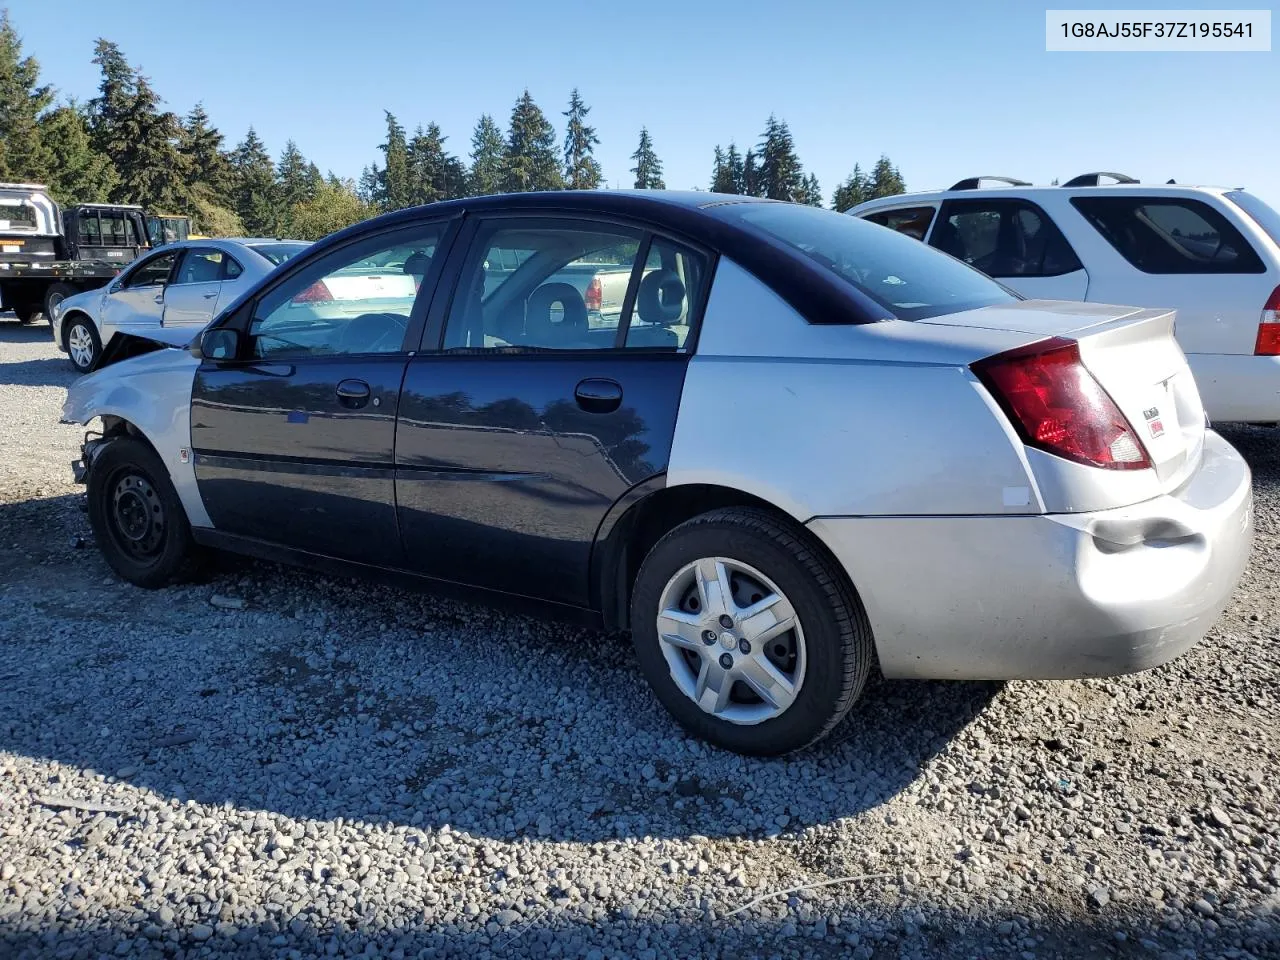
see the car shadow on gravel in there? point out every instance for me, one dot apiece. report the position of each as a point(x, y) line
point(326, 698)
point(320, 698)
point(45, 372)
point(769, 930)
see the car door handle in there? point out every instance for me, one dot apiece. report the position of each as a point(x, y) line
point(159, 298)
point(598, 395)
point(353, 393)
point(209, 296)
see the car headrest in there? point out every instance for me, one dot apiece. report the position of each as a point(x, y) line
point(661, 297)
point(540, 329)
point(417, 264)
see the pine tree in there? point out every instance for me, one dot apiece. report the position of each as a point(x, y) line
point(434, 173)
point(77, 172)
point(752, 185)
point(141, 141)
point(255, 194)
point(22, 101)
point(115, 91)
point(581, 169)
point(780, 173)
point(393, 181)
point(853, 191)
point(648, 168)
point(293, 176)
point(886, 181)
point(737, 175)
point(531, 161)
point(488, 152)
point(810, 192)
point(201, 145)
point(367, 190)
point(722, 173)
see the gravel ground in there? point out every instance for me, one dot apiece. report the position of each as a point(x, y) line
point(336, 769)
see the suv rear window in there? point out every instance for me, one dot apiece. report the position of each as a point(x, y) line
point(1170, 235)
point(1259, 212)
point(911, 280)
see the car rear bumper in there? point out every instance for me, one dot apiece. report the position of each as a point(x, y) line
point(1052, 596)
point(1238, 386)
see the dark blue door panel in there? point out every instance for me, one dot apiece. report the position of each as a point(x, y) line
point(301, 453)
point(506, 464)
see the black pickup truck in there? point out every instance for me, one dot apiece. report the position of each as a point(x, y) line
point(48, 254)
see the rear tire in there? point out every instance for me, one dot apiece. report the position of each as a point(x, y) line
point(54, 296)
point(787, 687)
point(136, 515)
point(84, 347)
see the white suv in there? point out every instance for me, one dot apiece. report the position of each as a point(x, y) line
point(1213, 254)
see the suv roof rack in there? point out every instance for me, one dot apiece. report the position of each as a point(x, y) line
point(24, 186)
point(972, 183)
point(1093, 179)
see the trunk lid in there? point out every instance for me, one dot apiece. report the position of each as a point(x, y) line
point(1132, 354)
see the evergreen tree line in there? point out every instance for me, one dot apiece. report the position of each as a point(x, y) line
point(772, 169)
point(123, 147)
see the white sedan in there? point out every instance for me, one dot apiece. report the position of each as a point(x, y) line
point(179, 286)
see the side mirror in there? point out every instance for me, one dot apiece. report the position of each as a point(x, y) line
point(219, 343)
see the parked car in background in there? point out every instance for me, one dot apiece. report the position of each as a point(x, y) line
point(806, 443)
point(177, 287)
point(1210, 253)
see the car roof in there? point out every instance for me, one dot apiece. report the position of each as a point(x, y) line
point(693, 217)
point(1031, 191)
point(260, 241)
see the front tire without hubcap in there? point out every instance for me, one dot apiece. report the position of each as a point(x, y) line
point(749, 636)
point(137, 518)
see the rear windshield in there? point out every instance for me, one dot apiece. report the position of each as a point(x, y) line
point(278, 253)
point(912, 281)
point(1259, 212)
point(17, 216)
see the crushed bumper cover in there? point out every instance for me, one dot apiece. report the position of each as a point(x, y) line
point(1052, 596)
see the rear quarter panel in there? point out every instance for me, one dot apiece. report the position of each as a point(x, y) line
point(876, 420)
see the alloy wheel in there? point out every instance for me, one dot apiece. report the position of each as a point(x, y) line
point(80, 345)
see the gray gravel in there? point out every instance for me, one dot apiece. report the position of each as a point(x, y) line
point(271, 763)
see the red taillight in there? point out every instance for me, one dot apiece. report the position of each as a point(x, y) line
point(1056, 405)
point(594, 296)
point(316, 293)
point(1268, 342)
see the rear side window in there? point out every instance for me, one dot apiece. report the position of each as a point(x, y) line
point(909, 279)
point(1004, 238)
point(913, 221)
point(17, 216)
point(278, 253)
point(1170, 235)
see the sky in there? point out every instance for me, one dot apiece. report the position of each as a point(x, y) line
point(947, 89)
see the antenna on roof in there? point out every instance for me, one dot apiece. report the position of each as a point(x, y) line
point(1094, 179)
point(972, 183)
point(1171, 180)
